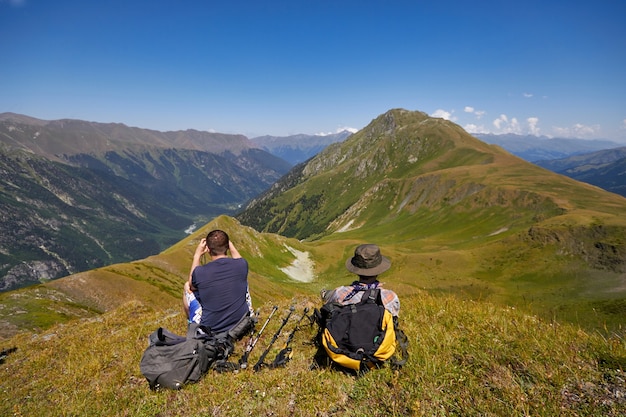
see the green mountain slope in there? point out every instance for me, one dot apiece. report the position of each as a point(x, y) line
point(456, 216)
point(459, 216)
point(155, 280)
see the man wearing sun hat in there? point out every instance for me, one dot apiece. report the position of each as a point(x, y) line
point(367, 263)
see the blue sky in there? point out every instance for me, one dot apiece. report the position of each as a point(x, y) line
point(555, 68)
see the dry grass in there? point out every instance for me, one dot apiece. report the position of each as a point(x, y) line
point(467, 358)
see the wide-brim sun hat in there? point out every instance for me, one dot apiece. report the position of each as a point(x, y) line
point(368, 261)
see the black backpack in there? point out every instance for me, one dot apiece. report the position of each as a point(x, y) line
point(361, 336)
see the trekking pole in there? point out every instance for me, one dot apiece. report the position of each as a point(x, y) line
point(260, 362)
point(285, 354)
point(243, 362)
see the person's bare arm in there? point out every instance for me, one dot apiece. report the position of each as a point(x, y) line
point(197, 256)
point(234, 253)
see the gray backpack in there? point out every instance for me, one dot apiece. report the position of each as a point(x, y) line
point(170, 361)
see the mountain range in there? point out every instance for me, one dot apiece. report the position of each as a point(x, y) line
point(540, 148)
point(78, 195)
point(605, 169)
point(298, 148)
point(458, 216)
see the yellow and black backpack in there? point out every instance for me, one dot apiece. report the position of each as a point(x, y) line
point(361, 336)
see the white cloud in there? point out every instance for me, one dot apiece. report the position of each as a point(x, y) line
point(478, 113)
point(527, 95)
point(624, 124)
point(533, 129)
point(443, 114)
point(578, 130)
point(500, 121)
point(504, 125)
point(339, 130)
point(473, 128)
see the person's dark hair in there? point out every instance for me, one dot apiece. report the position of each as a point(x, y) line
point(217, 242)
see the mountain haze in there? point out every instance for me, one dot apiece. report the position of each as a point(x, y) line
point(56, 138)
point(298, 148)
point(534, 148)
point(605, 169)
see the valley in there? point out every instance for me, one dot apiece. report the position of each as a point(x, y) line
point(77, 195)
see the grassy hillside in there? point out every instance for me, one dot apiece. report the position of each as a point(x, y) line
point(466, 358)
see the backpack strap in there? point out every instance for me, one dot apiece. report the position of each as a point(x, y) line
point(372, 295)
point(195, 331)
point(401, 356)
point(243, 327)
point(163, 337)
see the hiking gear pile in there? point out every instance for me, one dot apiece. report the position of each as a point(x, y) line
point(355, 337)
point(170, 361)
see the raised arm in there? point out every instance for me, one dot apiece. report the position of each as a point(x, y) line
point(234, 253)
point(201, 249)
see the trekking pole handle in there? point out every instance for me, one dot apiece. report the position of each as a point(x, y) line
point(306, 310)
point(255, 339)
